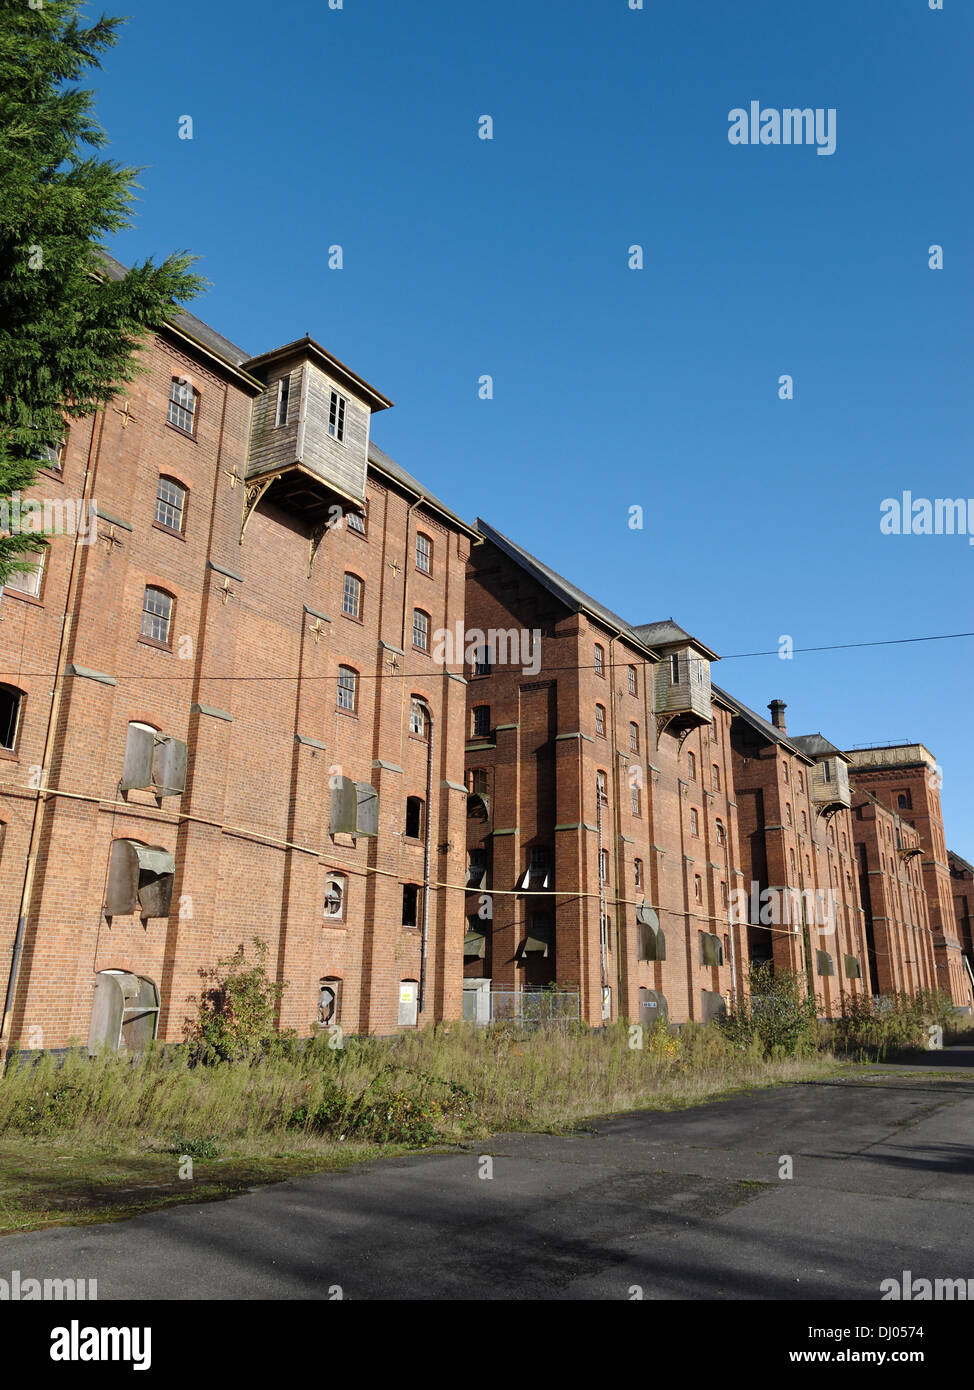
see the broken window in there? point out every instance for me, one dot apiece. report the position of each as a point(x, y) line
point(329, 1001)
point(410, 904)
point(476, 867)
point(539, 938)
point(475, 941)
point(140, 879)
point(335, 897)
point(415, 817)
point(651, 941)
point(10, 704)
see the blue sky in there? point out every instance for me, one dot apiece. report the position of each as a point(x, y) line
point(615, 387)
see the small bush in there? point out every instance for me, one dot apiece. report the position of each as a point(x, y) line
point(778, 1018)
point(207, 1147)
point(238, 1010)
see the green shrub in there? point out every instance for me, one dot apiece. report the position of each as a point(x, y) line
point(778, 1018)
point(238, 1010)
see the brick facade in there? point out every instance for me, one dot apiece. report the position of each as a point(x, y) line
point(395, 816)
point(247, 679)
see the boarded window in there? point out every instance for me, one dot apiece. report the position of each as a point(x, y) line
point(824, 963)
point(354, 808)
point(652, 1007)
point(124, 1014)
point(140, 879)
point(153, 761)
point(408, 1002)
point(711, 949)
point(852, 970)
point(713, 1006)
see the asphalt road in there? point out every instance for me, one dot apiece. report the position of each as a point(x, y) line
point(688, 1204)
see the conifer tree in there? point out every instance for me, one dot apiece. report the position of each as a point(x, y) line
point(69, 335)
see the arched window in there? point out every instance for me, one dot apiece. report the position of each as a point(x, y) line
point(182, 405)
point(599, 653)
point(421, 630)
point(329, 1001)
point(157, 609)
point(424, 553)
point(417, 719)
point(600, 720)
point(634, 738)
point(408, 1002)
point(335, 897)
point(347, 689)
point(352, 593)
point(692, 766)
point(170, 504)
point(11, 703)
point(638, 872)
point(633, 688)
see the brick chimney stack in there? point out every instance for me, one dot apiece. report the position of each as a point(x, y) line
point(777, 708)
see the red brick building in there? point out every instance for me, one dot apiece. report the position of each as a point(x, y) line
point(962, 884)
point(901, 953)
point(906, 779)
point(602, 831)
point(224, 717)
point(798, 855)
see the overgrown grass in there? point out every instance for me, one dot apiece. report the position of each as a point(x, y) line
point(441, 1085)
point(896, 1023)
